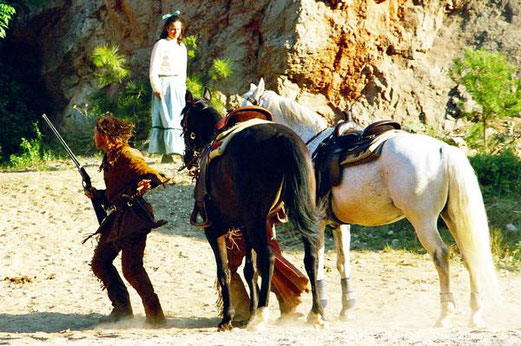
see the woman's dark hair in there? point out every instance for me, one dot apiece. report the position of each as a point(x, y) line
point(168, 21)
point(117, 129)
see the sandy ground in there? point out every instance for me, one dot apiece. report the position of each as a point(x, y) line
point(49, 295)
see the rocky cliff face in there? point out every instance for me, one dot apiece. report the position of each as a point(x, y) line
point(377, 58)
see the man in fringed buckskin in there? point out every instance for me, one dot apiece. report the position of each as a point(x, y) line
point(127, 177)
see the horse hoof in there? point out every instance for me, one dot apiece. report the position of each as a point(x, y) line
point(256, 327)
point(443, 322)
point(347, 316)
point(258, 322)
point(317, 321)
point(477, 322)
point(224, 327)
point(289, 318)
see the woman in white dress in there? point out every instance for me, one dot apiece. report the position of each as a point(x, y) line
point(168, 81)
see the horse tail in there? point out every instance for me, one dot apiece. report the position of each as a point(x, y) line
point(299, 188)
point(466, 210)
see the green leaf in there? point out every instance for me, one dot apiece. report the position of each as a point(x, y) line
point(221, 69)
point(6, 14)
point(110, 65)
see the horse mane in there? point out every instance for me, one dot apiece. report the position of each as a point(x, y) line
point(214, 115)
point(293, 113)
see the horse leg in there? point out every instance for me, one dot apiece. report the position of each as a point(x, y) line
point(342, 236)
point(321, 272)
point(429, 237)
point(259, 240)
point(250, 274)
point(316, 315)
point(476, 318)
point(218, 245)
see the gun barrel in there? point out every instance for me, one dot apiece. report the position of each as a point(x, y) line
point(62, 142)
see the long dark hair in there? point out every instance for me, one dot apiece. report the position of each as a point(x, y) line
point(168, 21)
point(117, 129)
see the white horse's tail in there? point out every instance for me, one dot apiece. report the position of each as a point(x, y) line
point(466, 209)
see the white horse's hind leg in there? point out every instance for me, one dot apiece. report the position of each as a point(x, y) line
point(321, 273)
point(429, 237)
point(476, 317)
point(342, 236)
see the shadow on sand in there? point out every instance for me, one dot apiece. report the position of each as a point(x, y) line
point(193, 322)
point(53, 322)
point(48, 322)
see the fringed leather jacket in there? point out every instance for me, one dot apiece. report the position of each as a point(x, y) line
point(123, 168)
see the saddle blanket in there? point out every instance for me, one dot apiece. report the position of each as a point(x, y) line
point(221, 141)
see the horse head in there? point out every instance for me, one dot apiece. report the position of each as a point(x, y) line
point(198, 123)
point(254, 95)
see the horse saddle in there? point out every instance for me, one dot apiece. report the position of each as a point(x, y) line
point(348, 147)
point(235, 122)
point(243, 114)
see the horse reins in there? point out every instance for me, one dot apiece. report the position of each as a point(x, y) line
point(252, 101)
point(315, 136)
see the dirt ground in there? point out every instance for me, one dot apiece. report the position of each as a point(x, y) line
point(49, 295)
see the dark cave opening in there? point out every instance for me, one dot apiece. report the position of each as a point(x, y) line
point(23, 94)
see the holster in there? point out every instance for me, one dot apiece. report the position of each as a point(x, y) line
point(138, 207)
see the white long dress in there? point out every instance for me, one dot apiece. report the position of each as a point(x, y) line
point(168, 77)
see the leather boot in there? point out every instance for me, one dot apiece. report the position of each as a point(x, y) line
point(153, 311)
point(119, 312)
point(118, 295)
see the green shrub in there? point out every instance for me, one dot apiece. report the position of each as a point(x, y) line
point(501, 172)
point(194, 83)
point(132, 102)
point(6, 14)
point(491, 81)
point(110, 65)
point(220, 70)
point(126, 99)
point(32, 153)
point(191, 46)
point(506, 248)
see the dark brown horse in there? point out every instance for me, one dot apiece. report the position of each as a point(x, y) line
point(261, 166)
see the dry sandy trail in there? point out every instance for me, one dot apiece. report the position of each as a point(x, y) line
point(44, 217)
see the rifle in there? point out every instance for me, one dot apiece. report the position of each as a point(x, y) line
point(86, 182)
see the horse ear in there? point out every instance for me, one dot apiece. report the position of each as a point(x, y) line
point(189, 98)
point(261, 84)
point(252, 87)
point(207, 94)
point(259, 91)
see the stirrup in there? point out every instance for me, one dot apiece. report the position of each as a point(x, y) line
point(199, 211)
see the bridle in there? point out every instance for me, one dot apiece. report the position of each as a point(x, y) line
point(189, 143)
point(252, 101)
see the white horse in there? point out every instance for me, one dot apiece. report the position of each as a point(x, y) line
point(416, 177)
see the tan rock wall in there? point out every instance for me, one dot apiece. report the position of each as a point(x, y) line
point(378, 58)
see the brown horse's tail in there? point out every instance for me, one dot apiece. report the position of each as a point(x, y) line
point(299, 188)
